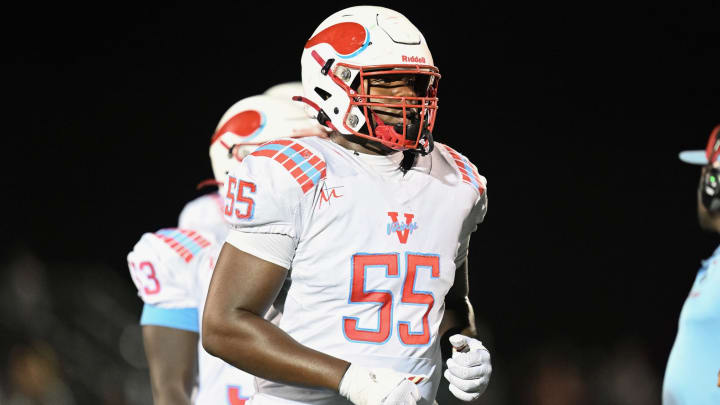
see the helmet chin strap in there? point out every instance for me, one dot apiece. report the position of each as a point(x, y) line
point(426, 140)
point(389, 133)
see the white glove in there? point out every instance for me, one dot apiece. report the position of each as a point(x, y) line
point(378, 386)
point(469, 368)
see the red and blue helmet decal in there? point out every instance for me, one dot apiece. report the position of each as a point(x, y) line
point(347, 39)
point(246, 124)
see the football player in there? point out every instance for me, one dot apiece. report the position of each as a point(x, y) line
point(232, 142)
point(172, 267)
point(371, 226)
point(692, 375)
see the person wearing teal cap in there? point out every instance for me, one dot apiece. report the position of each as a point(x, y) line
point(692, 374)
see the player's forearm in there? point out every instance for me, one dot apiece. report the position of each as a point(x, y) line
point(450, 321)
point(459, 316)
point(457, 324)
point(461, 320)
point(258, 347)
point(172, 359)
point(165, 393)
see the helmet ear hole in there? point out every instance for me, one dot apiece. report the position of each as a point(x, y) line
point(322, 93)
point(355, 83)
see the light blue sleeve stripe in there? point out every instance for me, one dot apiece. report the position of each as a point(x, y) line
point(296, 157)
point(315, 177)
point(471, 174)
point(176, 318)
point(272, 146)
point(187, 242)
point(308, 170)
point(163, 232)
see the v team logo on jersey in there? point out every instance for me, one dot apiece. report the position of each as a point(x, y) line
point(403, 230)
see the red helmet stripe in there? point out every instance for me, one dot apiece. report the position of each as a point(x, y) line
point(345, 38)
point(243, 124)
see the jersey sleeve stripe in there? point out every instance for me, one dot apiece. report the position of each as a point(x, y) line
point(299, 175)
point(265, 152)
point(474, 180)
point(196, 237)
point(185, 242)
point(296, 147)
point(302, 164)
point(298, 157)
point(289, 164)
point(308, 170)
point(467, 170)
point(280, 158)
point(465, 174)
point(315, 176)
point(184, 253)
point(276, 146)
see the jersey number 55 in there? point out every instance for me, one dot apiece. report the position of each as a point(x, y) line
point(361, 262)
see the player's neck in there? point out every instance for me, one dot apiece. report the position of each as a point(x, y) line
point(361, 145)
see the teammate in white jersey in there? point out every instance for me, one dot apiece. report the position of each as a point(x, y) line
point(371, 227)
point(206, 212)
point(172, 267)
point(692, 374)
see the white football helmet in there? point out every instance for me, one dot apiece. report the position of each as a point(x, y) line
point(359, 43)
point(286, 90)
point(252, 121)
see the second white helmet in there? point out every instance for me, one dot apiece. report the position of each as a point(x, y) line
point(252, 121)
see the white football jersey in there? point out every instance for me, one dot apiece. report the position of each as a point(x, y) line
point(172, 269)
point(375, 249)
point(205, 213)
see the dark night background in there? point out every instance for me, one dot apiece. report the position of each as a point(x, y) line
point(575, 114)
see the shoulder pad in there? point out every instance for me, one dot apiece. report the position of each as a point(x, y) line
point(207, 214)
point(186, 243)
point(303, 163)
point(464, 168)
point(199, 208)
point(165, 266)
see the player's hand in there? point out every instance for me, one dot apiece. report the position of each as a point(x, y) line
point(378, 386)
point(469, 368)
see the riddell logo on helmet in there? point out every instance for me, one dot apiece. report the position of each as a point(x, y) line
point(413, 59)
